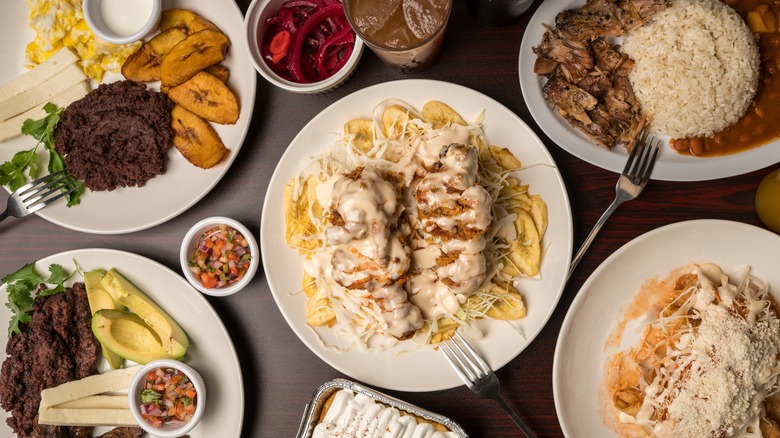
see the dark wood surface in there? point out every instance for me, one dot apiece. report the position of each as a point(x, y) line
point(279, 372)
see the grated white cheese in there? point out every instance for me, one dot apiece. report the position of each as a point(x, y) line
point(730, 365)
point(720, 370)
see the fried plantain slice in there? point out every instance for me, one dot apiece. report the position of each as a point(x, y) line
point(144, 64)
point(362, 132)
point(193, 54)
point(439, 114)
point(219, 71)
point(208, 97)
point(319, 309)
point(539, 213)
point(525, 252)
point(299, 227)
point(197, 141)
point(394, 120)
point(505, 158)
point(184, 19)
point(482, 149)
point(445, 329)
point(506, 302)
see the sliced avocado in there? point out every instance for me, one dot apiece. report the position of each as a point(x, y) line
point(100, 299)
point(174, 340)
point(128, 336)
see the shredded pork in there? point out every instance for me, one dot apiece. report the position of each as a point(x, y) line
point(587, 77)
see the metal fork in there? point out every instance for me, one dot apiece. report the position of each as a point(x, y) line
point(37, 194)
point(634, 178)
point(477, 375)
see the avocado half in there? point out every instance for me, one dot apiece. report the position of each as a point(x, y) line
point(100, 299)
point(172, 338)
point(127, 335)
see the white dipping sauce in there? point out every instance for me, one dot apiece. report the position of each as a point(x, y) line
point(125, 17)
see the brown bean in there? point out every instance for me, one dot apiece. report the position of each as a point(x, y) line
point(775, 41)
point(759, 110)
point(718, 138)
point(743, 138)
point(680, 144)
point(759, 129)
point(697, 148)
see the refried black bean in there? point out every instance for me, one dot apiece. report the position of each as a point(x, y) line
point(118, 135)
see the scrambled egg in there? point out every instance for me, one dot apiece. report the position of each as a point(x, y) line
point(60, 23)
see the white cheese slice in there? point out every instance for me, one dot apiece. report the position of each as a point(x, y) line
point(42, 92)
point(116, 380)
point(13, 127)
point(40, 73)
point(87, 417)
point(97, 402)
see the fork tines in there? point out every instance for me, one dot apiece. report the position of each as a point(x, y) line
point(464, 359)
point(646, 148)
point(45, 190)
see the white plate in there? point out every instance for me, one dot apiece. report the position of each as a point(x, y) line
point(670, 166)
point(164, 197)
point(580, 352)
point(211, 351)
point(424, 370)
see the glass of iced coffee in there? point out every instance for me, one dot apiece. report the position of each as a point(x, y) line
point(406, 34)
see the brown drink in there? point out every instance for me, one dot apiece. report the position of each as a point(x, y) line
point(406, 34)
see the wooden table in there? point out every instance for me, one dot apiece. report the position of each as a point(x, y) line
point(279, 372)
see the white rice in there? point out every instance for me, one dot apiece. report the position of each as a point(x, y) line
point(697, 68)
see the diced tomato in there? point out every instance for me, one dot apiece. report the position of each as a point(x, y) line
point(208, 280)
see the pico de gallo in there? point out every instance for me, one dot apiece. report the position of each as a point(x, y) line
point(168, 397)
point(221, 258)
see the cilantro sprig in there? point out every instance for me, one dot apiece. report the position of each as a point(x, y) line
point(20, 286)
point(12, 172)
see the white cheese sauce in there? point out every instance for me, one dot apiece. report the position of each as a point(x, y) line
point(365, 256)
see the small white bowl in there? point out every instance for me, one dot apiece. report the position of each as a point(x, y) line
point(190, 242)
point(254, 25)
point(134, 398)
point(97, 22)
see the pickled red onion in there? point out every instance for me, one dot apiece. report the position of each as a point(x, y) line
point(322, 40)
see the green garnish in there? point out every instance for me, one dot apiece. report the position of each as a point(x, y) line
point(20, 286)
point(149, 396)
point(12, 172)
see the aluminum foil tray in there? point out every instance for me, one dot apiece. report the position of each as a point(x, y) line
point(312, 412)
